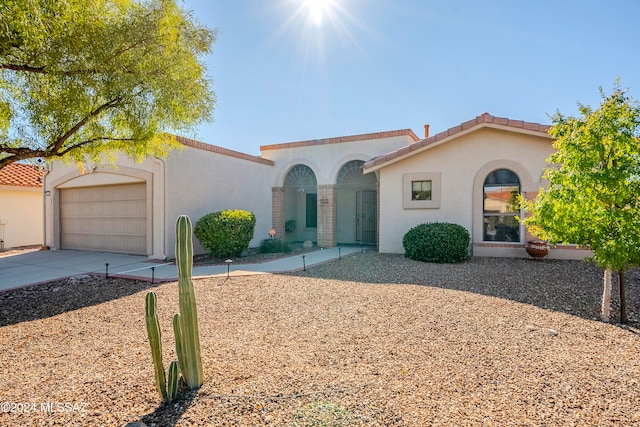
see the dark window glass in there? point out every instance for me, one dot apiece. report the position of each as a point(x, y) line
point(312, 211)
point(420, 190)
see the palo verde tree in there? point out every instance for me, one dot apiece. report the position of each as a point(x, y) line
point(593, 196)
point(85, 79)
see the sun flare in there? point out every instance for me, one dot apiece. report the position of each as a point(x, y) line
point(317, 9)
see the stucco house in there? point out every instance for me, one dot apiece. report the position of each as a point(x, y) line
point(364, 189)
point(21, 209)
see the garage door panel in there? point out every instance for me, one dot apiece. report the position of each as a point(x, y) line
point(108, 218)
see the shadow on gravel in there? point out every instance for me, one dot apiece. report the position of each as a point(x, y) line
point(60, 296)
point(572, 287)
point(168, 414)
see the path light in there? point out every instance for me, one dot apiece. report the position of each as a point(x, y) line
point(339, 253)
point(272, 233)
point(228, 262)
point(153, 275)
point(304, 266)
point(106, 272)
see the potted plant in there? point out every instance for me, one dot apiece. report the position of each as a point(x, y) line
point(290, 226)
point(537, 248)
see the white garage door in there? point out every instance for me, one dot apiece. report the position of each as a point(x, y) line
point(110, 218)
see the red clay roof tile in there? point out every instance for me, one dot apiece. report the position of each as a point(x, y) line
point(21, 175)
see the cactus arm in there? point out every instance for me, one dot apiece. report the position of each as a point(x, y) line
point(187, 322)
point(155, 340)
point(173, 381)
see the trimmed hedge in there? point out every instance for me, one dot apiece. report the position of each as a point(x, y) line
point(226, 233)
point(275, 246)
point(441, 242)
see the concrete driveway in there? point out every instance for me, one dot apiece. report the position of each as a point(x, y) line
point(44, 266)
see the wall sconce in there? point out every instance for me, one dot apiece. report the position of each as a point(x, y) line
point(272, 233)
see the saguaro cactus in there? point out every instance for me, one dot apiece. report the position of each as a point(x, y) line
point(185, 324)
point(155, 340)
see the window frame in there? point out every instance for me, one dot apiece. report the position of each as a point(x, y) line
point(508, 217)
point(407, 190)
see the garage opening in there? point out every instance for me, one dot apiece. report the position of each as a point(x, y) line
point(110, 218)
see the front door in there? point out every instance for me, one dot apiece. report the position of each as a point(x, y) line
point(366, 216)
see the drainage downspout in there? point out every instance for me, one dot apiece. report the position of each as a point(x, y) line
point(44, 204)
point(164, 208)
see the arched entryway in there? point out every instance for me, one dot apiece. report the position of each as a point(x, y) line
point(356, 198)
point(301, 204)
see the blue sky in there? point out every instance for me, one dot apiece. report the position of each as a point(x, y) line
point(281, 73)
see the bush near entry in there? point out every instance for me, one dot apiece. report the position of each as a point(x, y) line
point(437, 242)
point(226, 233)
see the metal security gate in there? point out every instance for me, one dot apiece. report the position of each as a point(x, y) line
point(366, 207)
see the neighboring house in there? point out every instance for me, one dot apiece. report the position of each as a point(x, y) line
point(21, 208)
point(367, 189)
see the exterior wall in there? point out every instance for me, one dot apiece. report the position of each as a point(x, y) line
point(462, 164)
point(191, 181)
point(326, 158)
point(200, 182)
point(21, 213)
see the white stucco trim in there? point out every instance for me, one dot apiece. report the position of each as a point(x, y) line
point(409, 203)
point(526, 184)
point(105, 175)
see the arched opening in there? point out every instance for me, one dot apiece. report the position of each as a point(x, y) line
point(301, 204)
point(356, 204)
point(501, 189)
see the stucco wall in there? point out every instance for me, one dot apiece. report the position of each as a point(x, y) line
point(460, 162)
point(190, 181)
point(200, 182)
point(20, 216)
point(326, 159)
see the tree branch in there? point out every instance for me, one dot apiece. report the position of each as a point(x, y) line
point(54, 150)
point(27, 68)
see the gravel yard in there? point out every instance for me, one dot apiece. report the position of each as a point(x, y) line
point(370, 339)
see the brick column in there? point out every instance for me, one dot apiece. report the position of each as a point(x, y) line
point(277, 211)
point(327, 216)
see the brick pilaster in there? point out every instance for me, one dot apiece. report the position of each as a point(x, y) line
point(277, 211)
point(327, 216)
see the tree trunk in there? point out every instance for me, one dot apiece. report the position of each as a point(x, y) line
point(606, 296)
point(623, 298)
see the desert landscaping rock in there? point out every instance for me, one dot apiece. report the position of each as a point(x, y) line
point(370, 339)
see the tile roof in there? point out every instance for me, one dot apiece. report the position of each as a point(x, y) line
point(339, 139)
point(22, 175)
point(225, 151)
point(483, 120)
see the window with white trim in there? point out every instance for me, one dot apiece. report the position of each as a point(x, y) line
point(500, 207)
point(421, 190)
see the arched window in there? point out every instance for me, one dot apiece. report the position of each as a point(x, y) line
point(501, 189)
point(303, 180)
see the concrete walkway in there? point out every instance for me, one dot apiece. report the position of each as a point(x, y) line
point(43, 266)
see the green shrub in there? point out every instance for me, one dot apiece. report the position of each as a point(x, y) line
point(272, 246)
point(226, 233)
point(437, 242)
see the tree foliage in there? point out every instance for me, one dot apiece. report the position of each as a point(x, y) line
point(82, 78)
point(593, 193)
point(593, 196)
